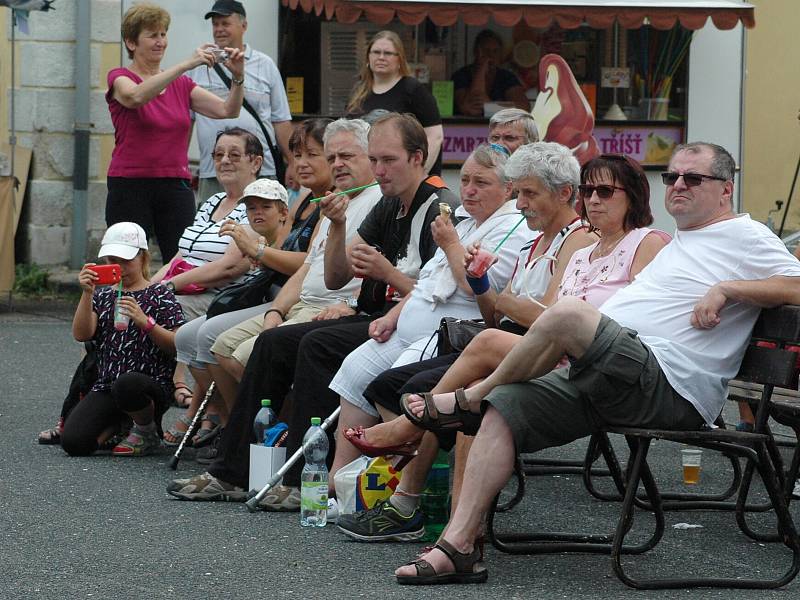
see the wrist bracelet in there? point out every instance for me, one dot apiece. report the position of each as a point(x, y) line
point(150, 325)
point(480, 285)
point(262, 246)
point(235, 81)
point(275, 310)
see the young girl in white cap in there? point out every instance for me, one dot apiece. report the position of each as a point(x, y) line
point(135, 363)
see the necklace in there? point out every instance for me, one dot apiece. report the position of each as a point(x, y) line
point(601, 252)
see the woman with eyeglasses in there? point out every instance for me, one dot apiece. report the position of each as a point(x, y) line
point(385, 83)
point(614, 198)
point(222, 226)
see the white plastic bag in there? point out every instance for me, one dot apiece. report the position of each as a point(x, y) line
point(345, 483)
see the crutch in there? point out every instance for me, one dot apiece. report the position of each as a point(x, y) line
point(252, 503)
point(198, 417)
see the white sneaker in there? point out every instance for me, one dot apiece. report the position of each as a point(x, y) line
point(796, 491)
point(333, 510)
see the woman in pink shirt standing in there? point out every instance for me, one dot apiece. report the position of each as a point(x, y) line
point(148, 178)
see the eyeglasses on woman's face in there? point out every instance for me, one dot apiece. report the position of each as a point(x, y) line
point(604, 192)
point(689, 179)
point(233, 155)
point(383, 53)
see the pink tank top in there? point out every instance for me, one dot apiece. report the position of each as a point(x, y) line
point(597, 280)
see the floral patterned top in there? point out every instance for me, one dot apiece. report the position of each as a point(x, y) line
point(597, 280)
point(131, 349)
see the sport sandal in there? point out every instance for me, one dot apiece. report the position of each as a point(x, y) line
point(462, 418)
point(468, 568)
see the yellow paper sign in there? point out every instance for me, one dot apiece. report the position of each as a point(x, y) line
point(294, 90)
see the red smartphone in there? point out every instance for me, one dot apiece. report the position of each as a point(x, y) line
point(107, 274)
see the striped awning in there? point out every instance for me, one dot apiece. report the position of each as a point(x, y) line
point(599, 14)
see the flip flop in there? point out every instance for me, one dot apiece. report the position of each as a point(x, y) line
point(467, 568)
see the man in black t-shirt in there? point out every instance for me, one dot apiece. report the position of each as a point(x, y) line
point(393, 242)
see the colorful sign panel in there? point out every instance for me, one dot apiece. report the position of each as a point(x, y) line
point(651, 145)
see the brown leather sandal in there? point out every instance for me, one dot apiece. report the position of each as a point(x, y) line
point(467, 568)
point(462, 418)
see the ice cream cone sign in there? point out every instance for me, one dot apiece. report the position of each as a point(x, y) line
point(561, 111)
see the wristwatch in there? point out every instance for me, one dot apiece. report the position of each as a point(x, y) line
point(170, 286)
point(239, 81)
point(352, 303)
point(261, 247)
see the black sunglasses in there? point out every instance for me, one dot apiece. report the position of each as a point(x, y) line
point(690, 179)
point(604, 192)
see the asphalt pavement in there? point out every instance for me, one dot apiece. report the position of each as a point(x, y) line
point(103, 527)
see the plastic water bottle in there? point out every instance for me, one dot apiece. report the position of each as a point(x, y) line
point(265, 418)
point(314, 479)
point(435, 499)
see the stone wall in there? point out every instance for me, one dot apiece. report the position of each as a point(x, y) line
point(44, 101)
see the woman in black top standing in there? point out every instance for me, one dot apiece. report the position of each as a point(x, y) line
point(385, 83)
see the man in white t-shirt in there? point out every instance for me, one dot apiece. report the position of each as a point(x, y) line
point(263, 90)
point(658, 354)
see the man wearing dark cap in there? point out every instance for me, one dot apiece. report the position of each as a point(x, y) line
point(263, 90)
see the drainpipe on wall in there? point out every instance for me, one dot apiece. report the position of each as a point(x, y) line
point(80, 171)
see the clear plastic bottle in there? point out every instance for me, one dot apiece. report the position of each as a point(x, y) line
point(314, 479)
point(435, 499)
point(265, 418)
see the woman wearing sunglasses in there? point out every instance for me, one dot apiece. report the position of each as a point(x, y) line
point(614, 198)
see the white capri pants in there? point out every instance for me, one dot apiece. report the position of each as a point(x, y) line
point(371, 359)
point(193, 340)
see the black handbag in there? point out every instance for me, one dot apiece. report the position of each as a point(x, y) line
point(260, 289)
point(455, 334)
point(277, 156)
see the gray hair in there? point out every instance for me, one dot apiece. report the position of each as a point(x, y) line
point(722, 163)
point(357, 127)
point(489, 158)
point(509, 116)
point(551, 163)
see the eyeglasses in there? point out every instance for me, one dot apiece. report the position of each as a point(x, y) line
point(233, 156)
point(380, 53)
point(604, 192)
point(690, 179)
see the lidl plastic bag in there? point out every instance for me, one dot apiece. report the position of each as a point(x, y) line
point(363, 483)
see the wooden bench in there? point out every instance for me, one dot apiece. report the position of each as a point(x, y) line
point(765, 367)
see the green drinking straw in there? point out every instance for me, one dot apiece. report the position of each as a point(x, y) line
point(355, 189)
point(503, 241)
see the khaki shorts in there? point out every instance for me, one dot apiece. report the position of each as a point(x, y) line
point(237, 342)
point(616, 382)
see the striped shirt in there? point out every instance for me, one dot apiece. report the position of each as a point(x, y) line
point(201, 243)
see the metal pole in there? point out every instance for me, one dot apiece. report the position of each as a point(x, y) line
point(80, 172)
point(12, 137)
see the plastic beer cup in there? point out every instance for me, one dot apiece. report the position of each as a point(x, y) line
point(480, 263)
point(690, 457)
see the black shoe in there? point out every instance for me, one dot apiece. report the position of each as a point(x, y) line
point(383, 523)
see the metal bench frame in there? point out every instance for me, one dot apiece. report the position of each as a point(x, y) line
point(770, 367)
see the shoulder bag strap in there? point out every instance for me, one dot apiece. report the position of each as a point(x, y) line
point(246, 105)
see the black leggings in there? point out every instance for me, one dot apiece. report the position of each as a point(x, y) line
point(161, 205)
point(99, 410)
